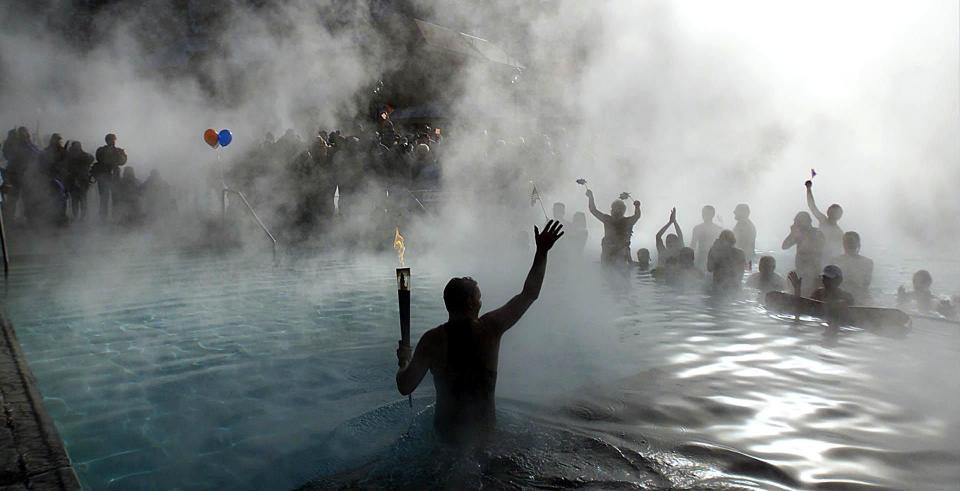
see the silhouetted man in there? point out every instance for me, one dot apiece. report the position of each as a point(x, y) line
point(766, 278)
point(857, 269)
point(617, 230)
point(704, 235)
point(110, 158)
point(463, 354)
point(832, 233)
point(726, 262)
point(745, 232)
point(78, 178)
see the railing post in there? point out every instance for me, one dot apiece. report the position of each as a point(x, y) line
point(3, 243)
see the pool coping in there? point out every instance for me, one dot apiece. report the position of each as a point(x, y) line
point(32, 455)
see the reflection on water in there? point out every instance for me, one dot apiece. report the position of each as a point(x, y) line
point(213, 372)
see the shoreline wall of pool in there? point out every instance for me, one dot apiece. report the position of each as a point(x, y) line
point(32, 455)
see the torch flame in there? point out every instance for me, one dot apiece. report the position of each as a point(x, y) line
point(398, 245)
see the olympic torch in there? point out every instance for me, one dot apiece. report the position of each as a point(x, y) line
point(403, 294)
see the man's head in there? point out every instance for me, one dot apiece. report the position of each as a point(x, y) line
point(803, 220)
point(462, 297)
point(618, 209)
point(922, 281)
point(23, 133)
point(741, 212)
point(851, 243)
point(56, 140)
point(832, 276)
point(767, 265)
point(728, 238)
point(672, 241)
point(708, 212)
point(559, 211)
point(111, 139)
point(76, 147)
point(643, 256)
point(835, 212)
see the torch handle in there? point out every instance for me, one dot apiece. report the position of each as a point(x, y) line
point(404, 301)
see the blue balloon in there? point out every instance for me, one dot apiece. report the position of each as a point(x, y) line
point(224, 137)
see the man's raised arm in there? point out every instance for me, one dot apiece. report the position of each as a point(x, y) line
point(812, 203)
point(592, 206)
point(505, 317)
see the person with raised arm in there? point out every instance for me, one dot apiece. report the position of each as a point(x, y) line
point(463, 353)
point(828, 224)
point(673, 243)
point(617, 230)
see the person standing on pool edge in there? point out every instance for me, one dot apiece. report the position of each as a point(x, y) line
point(463, 353)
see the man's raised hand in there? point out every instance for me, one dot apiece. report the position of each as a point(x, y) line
point(550, 235)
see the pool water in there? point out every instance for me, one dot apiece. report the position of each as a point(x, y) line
point(199, 371)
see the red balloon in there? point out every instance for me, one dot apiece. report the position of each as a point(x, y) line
point(211, 137)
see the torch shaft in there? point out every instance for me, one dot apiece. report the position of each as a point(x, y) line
point(403, 297)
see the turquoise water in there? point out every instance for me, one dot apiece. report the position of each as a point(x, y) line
point(195, 371)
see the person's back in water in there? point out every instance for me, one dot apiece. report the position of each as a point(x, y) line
point(463, 353)
point(465, 377)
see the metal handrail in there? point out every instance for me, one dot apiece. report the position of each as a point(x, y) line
point(243, 198)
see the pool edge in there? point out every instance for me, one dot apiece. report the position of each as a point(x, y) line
point(32, 455)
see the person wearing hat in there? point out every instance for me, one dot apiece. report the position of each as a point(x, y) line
point(831, 292)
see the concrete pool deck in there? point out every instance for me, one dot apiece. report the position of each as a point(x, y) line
point(31, 451)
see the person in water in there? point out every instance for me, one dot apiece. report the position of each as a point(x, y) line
point(560, 213)
point(766, 279)
point(832, 233)
point(857, 269)
point(617, 230)
point(809, 243)
point(578, 233)
point(726, 262)
point(671, 247)
point(835, 299)
point(462, 354)
point(643, 259)
point(704, 235)
point(923, 298)
point(745, 232)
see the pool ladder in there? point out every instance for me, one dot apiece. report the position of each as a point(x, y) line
point(273, 240)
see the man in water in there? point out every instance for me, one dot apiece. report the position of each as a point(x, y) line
point(766, 279)
point(106, 171)
point(617, 230)
point(809, 242)
point(674, 242)
point(857, 269)
point(745, 232)
point(835, 299)
point(704, 236)
point(832, 233)
point(463, 354)
point(643, 259)
point(726, 262)
point(560, 213)
point(924, 298)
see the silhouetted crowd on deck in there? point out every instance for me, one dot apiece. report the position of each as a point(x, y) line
point(50, 186)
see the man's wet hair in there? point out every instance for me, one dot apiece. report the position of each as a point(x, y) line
point(457, 293)
point(110, 138)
